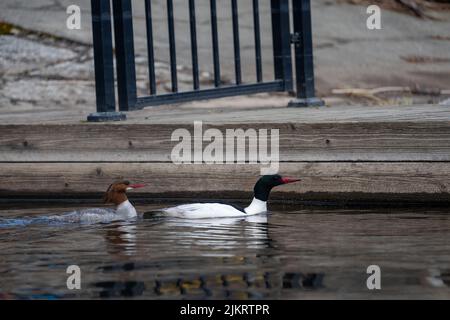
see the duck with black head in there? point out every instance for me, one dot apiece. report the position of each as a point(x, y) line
point(261, 190)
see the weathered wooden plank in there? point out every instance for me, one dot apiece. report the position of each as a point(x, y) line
point(323, 180)
point(258, 109)
point(388, 141)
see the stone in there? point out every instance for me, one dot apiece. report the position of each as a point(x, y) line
point(18, 55)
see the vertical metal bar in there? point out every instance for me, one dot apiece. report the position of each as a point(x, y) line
point(126, 71)
point(103, 55)
point(236, 42)
point(150, 49)
point(257, 30)
point(282, 42)
point(173, 53)
point(215, 43)
point(304, 62)
point(193, 25)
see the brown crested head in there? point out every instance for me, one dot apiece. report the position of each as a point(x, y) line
point(117, 192)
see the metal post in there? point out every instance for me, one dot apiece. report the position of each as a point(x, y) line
point(257, 31)
point(126, 70)
point(150, 49)
point(282, 42)
point(215, 43)
point(194, 46)
point(104, 66)
point(304, 62)
point(236, 42)
point(172, 46)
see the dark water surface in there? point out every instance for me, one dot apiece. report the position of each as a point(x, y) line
point(304, 254)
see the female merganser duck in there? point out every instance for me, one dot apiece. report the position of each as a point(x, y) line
point(219, 210)
point(117, 195)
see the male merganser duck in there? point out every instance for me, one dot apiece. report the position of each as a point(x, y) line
point(219, 210)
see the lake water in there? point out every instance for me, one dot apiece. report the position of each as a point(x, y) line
point(287, 254)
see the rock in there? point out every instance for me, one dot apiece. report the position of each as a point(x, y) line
point(67, 70)
point(18, 55)
point(49, 93)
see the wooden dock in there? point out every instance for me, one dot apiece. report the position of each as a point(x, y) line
point(351, 154)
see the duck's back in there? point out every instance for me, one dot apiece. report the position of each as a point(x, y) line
point(204, 210)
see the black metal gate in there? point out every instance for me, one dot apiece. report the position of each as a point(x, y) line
point(282, 39)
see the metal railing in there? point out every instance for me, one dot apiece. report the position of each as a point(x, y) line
point(282, 39)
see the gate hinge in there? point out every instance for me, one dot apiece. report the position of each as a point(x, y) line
point(295, 38)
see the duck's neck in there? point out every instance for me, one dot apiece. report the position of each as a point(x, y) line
point(126, 209)
point(257, 206)
point(261, 195)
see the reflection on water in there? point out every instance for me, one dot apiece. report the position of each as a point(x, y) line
point(283, 255)
point(241, 286)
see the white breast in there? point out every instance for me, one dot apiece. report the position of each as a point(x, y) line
point(257, 206)
point(126, 210)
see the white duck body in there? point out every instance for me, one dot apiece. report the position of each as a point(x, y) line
point(215, 210)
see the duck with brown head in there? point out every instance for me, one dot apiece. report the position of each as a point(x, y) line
point(117, 195)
